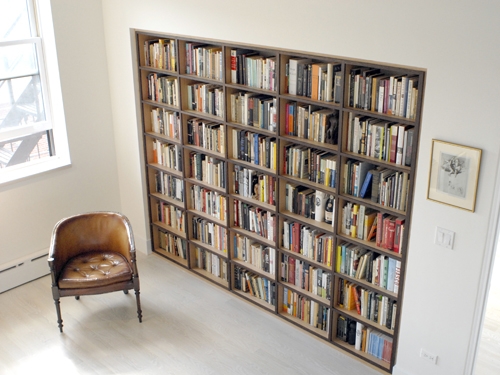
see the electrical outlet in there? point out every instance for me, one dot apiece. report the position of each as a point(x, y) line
point(429, 356)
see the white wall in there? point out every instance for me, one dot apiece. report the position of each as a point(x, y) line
point(455, 40)
point(29, 208)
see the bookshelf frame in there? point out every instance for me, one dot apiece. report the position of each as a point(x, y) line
point(276, 59)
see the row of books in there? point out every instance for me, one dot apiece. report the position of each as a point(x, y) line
point(255, 148)
point(255, 219)
point(204, 60)
point(309, 311)
point(211, 263)
point(389, 188)
point(300, 200)
point(309, 203)
point(365, 339)
point(208, 201)
point(210, 233)
point(380, 139)
point(163, 89)
point(372, 90)
point(171, 186)
point(252, 69)
point(310, 164)
point(252, 109)
point(377, 269)
point(206, 98)
point(312, 123)
point(384, 186)
point(358, 221)
point(384, 229)
point(253, 184)
point(172, 244)
point(367, 303)
point(305, 276)
point(168, 155)
point(256, 285)
point(208, 169)
point(161, 54)
point(254, 253)
point(356, 179)
point(390, 231)
point(315, 80)
point(171, 216)
point(207, 134)
point(309, 242)
point(166, 122)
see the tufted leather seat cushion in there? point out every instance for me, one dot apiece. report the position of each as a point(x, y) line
point(94, 268)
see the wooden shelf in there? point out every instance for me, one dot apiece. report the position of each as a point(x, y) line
point(242, 264)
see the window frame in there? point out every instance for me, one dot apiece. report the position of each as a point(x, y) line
point(41, 20)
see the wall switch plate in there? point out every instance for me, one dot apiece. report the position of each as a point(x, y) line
point(430, 357)
point(444, 237)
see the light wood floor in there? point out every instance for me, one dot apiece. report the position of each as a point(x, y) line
point(189, 327)
point(488, 358)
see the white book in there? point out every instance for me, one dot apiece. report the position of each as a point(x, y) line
point(319, 210)
point(359, 336)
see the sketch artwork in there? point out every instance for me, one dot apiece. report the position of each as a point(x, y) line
point(453, 175)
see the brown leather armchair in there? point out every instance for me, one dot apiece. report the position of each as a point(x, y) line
point(93, 253)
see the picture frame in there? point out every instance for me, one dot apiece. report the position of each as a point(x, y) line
point(454, 174)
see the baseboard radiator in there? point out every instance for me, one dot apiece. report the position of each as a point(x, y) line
point(23, 270)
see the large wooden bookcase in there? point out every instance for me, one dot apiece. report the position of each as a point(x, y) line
point(242, 141)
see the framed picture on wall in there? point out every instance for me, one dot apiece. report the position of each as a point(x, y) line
point(454, 174)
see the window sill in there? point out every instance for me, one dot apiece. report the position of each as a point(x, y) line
point(25, 170)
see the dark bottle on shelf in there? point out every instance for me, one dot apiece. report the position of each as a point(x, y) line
point(329, 210)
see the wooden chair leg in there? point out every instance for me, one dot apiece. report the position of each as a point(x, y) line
point(125, 291)
point(58, 310)
point(139, 310)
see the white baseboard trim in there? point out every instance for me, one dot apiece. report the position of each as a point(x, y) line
point(24, 270)
point(397, 371)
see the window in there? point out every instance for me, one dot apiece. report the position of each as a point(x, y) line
point(32, 128)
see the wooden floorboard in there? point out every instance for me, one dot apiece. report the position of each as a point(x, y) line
point(189, 327)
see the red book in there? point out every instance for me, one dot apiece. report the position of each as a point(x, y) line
point(390, 229)
point(398, 234)
point(296, 237)
point(236, 213)
point(291, 270)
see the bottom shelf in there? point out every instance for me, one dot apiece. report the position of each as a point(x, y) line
point(305, 325)
point(175, 258)
point(368, 357)
point(255, 300)
point(305, 312)
point(208, 275)
point(365, 342)
point(253, 286)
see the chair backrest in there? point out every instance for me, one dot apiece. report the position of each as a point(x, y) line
point(89, 232)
